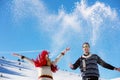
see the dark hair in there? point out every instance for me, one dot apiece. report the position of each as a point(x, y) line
point(86, 43)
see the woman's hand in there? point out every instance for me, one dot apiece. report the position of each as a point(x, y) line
point(65, 51)
point(15, 54)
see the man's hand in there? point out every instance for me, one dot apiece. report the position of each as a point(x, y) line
point(71, 65)
point(118, 69)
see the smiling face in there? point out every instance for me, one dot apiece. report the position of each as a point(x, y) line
point(86, 48)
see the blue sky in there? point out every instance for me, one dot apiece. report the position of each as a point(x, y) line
point(29, 26)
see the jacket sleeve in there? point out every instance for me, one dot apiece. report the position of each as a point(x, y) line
point(76, 64)
point(104, 64)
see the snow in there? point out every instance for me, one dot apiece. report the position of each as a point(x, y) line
point(20, 70)
point(11, 70)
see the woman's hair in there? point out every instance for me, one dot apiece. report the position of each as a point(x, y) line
point(41, 61)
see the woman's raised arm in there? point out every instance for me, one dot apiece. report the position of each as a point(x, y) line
point(23, 57)
point(61, 55)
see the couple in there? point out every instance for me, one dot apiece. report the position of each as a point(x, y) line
point(87, 64)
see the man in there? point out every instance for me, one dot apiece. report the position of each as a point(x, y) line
point(43, 64)
point(88, 64)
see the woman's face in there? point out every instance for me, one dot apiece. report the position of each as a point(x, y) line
point(47, 57)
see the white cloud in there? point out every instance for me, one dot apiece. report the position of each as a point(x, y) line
point(27, 8)
point(95, 15)
point(61, 27)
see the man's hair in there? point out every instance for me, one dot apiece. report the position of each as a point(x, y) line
point(86, 43)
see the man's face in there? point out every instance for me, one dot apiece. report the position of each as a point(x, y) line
point(86, 48)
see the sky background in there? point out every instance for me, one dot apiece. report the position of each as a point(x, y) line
point(29, 26)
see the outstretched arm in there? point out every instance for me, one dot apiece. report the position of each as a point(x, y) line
point(75, 65)
point(60, 56)
point(23, 57)
point(106, 65)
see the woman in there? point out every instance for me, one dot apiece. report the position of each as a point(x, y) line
point(43, 64)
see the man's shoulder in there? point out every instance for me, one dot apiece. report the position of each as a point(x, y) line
point(94, 55)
